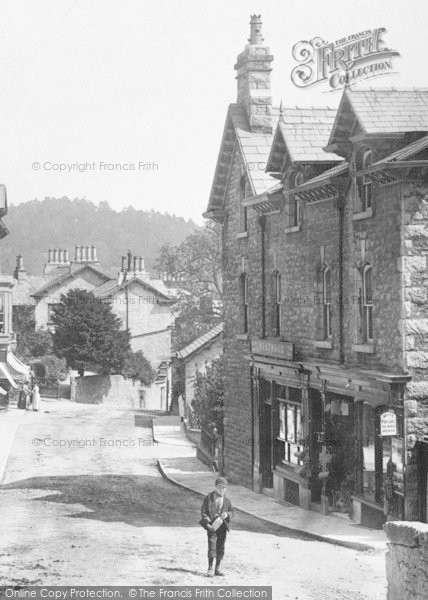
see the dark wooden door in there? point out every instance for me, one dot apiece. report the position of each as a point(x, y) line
point(266, 446)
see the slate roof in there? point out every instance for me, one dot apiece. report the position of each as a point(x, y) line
point(305, 132)
point(380, 111)
point(201, 341)
point(59, 275)
point(24, 288)
point(255, 147)
point(391, 110)
point(112, 286)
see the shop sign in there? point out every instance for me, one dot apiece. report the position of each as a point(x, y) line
point(388, 423)
point(273, 348)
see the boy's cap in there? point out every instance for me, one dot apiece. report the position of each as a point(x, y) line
point(221, 480)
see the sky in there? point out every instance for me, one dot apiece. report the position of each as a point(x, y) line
point(124, 101)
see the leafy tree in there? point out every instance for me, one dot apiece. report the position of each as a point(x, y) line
point(209, 395)
point(137, 367)
point(195, 264)
point(31, 342)
point(88, 334)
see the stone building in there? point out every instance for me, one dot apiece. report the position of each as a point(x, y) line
point(325, 296)
point(142, 302)
point(196, 356)
point(12, 371)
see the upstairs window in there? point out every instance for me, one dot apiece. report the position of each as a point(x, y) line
point(276, 303)
point(367, 304)
point(244, 302)
point(326, 298)
point(2, 314)
point(243, 211)
point(295, 207)
point(366, 199)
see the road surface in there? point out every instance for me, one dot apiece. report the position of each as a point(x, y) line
point(82, 503)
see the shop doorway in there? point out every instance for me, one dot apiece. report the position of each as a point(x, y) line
point(423, 480)
point(315, 424)
point(340, 444)
point(266, 446)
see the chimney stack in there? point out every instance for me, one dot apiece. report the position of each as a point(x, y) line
point(19, 273)
point(57, 257)
point(253, 74)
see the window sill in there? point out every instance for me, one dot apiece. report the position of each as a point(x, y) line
point(242, 235)
point(366, 214)
point(364, 348)
point(293, 228)
point(325, 344)
point(242, 336)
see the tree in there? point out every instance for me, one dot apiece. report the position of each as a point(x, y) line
point(88, 334)
point(209, 395)
point(196, 266)
point(30, 342)
point(137, 367)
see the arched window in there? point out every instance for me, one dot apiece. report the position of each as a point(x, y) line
point(367, 303)
point(276, 303)
point(295, 204)
point(243, 215)
point(244, 302)
point(366, 199)
point(326, 298)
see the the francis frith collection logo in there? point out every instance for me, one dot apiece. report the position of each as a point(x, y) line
point(354, 58)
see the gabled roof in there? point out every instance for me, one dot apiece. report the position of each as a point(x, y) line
point(201, 341)
point(381, 111)
point(111, 287)
point(23, 289)
point(68, 273)
point(254, 148)
point(302, 133)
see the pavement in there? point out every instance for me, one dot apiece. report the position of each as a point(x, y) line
point(190, 473)
point(10, 418)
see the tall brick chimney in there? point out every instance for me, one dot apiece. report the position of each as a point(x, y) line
point(253, 74)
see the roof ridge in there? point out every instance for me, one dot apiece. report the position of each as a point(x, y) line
point(390, 89)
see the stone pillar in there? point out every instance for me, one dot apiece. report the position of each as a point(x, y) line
point(407, 560)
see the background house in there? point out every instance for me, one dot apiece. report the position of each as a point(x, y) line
point(139, 300)
point(197, 355)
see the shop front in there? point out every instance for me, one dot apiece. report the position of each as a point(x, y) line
point(327, 438)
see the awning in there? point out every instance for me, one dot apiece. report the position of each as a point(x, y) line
point(13, 370)
point(16, 367)
point(4, 374)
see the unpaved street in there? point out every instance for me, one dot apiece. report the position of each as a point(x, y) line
point(82, 503)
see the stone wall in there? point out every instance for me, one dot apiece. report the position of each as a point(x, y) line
point(112, 390)
point(414, 325)
point(407, 560)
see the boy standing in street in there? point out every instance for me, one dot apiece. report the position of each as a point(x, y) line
point(216, 513)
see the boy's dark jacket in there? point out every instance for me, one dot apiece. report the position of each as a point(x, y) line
point(209, 513)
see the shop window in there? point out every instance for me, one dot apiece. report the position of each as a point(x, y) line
point(244, 302)
point(367, 304)
point(276, 303)
point(2, 314)
point(326, 295)
point(290, 425)
point(368, 437)
point(380, 468)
